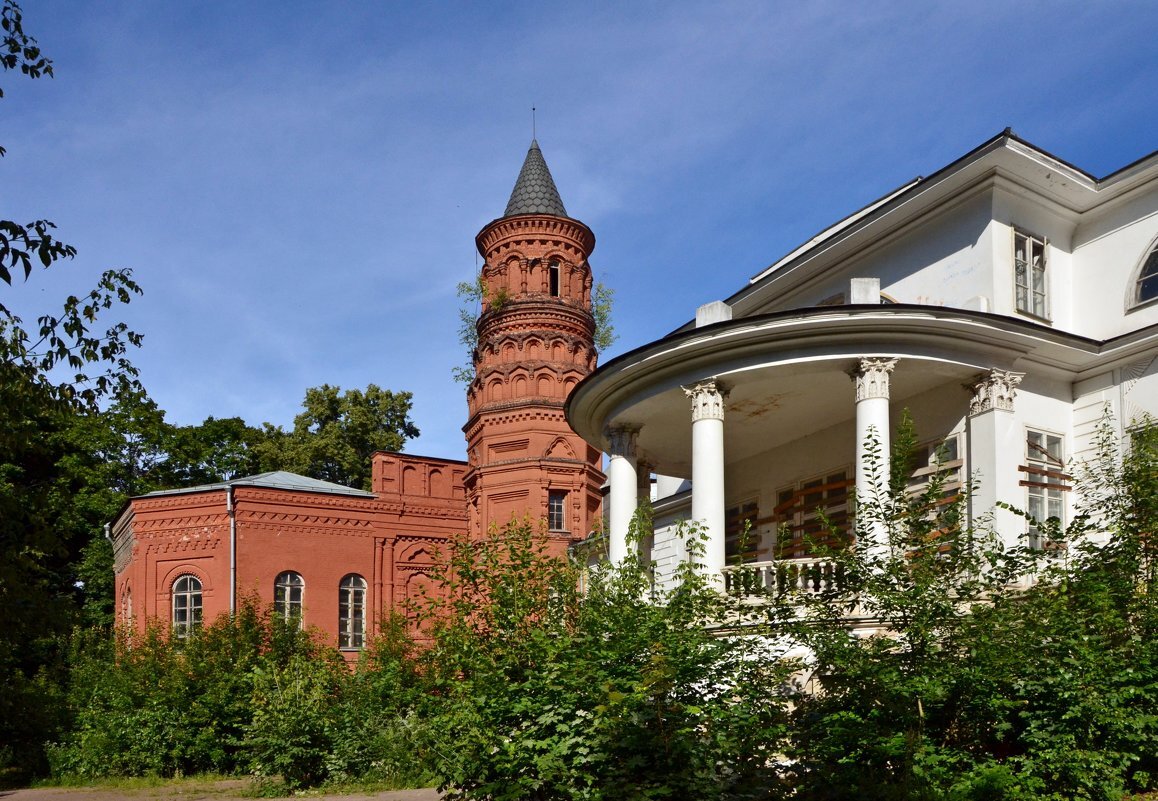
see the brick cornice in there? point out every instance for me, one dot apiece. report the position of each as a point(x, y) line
point(562, 232)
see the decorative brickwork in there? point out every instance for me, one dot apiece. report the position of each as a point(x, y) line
point(535, 344)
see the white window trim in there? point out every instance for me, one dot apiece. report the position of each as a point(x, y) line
point(354, 638)
point(286, 613)
point(1035, 540)
point(1134, 288)
point(193, 621)
point(1014, 233)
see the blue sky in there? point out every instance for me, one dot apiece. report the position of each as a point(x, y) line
point(297, 185)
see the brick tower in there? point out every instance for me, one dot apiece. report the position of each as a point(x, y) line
point(535, 343)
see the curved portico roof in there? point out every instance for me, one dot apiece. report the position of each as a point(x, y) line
point(786, 371)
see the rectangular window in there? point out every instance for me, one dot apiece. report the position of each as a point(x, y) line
point(740, 537)
point(938, 458)
point(813, 513)
point(1045, 481)
point(1029, 274)
point(557, 510)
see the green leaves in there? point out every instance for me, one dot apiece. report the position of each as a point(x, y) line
point(334, 438)
point(612, 693)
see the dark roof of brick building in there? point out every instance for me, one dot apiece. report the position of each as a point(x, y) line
point(535, 191)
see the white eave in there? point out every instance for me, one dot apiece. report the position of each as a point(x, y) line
point(969, 340)
point(1005, 159)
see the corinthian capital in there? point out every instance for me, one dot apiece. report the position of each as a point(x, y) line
point(622, 439)
point(871, 377)
point(707, 400)
point(994, 390)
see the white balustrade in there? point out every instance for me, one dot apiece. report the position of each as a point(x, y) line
point(809, 576)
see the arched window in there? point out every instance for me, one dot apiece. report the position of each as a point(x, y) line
point(186, 605)
point(288, 591)
point(352, 612)
point(1146, 288)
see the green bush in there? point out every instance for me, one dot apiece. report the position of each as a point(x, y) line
point(613, 693)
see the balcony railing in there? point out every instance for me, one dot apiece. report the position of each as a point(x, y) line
point(808, 576)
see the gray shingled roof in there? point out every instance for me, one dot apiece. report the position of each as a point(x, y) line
point(278, 479)
point(535, 191)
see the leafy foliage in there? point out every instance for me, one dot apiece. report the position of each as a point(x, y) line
point(981, 686)
point(334, 438)
point(602, 298)
point(155, 705)
point(47, 373)
point(611, 693)
point(955, 680)
point(474, 299)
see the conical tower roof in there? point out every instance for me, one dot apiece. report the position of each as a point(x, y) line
point(535, 191)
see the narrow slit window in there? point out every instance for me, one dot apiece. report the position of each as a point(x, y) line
point(553, 278)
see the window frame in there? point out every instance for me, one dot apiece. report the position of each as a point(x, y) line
point(289, 609)
point(1045, 483)
point(554, 279)
point(1029, 308)
point(929, 464)
point(1147, 270)
point(740, 522)
point(799, 513)
point(557, 498)
point(188, 599)
point(352, 594)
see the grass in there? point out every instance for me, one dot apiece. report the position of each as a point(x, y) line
point(201, 784)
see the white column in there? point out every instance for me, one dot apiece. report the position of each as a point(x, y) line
point(995, 446)
point(624, 495)
point(708, 471)
point(871, 377)
point(643, 469)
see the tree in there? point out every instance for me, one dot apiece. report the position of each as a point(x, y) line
point(334, 438)
point(540, 691)
point(46, 375)
point(217, 449)
point(977, 684)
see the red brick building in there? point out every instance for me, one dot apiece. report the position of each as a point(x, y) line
point(339, 558)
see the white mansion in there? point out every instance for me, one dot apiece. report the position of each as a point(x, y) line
point(1006, 301)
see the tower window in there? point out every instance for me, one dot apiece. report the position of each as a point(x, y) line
point(352, 612)
point(288, 592)
point(557, 510)
point(1029, 274)
point(553, 278)
point(186, 606)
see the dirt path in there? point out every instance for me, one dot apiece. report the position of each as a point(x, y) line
point(210, 791)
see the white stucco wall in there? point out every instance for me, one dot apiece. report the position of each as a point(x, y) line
point(1109, 249)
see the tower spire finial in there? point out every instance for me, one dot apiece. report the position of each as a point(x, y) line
point(533, 133)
